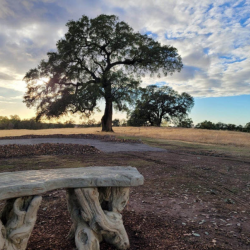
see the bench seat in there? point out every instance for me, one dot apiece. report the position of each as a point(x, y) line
point(34, 182)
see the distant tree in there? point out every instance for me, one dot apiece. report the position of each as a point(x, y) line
point(185, 123)
point(160, 103)
point(116, 122)
point(136, 118)
point(15, 121)
point(221, 126)
point(247, 127)
point(239, 128)
point(70, 123)
point(5, 123)
point(100, 58)
point(231, 127)
point(165, 123)
point(206, 125)
point(123, 122)
point(90, 123)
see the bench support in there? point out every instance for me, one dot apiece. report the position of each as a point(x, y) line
point(92, 224)
point(17, 221)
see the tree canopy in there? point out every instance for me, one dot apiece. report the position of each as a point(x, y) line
point(100, 58)
point(158, 103)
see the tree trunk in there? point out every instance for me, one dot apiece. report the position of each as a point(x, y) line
point(107, 117)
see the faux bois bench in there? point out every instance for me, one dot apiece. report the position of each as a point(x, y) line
point(88, 189)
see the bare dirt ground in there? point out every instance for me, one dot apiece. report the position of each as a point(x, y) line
point(191, 199)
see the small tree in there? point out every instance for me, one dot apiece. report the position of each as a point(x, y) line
point(90, 123)
point(231, 127)
point(70, 123)
point(15, 120)
point(136, 117)
point(239, 128)
point(5, 123)
point(185, 123)
point(221, 126)
point(123, 122)
point(247, 127)
point(160, 103)
point(100, 58)
point(116, 122)
point(206, 125)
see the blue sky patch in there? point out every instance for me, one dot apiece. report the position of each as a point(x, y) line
point(241, 4)
point(119, 10)
point(160, 84)
point(53, 12)
point(231, 59)
point(208, 34)
point(225, 5)
point(151, 34)
point(170, 38)
point(229, 109)
point(243, 20)
point(209, 7)
point(191, 11)
point(27, 41)
point(206, 51)
point(191, 68)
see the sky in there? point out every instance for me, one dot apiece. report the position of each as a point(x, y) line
point(212, 37)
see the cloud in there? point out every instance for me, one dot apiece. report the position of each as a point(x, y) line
point(4, 76)
point(197, 58)
point(6, 102)
point(211, 36)
point(10, 93)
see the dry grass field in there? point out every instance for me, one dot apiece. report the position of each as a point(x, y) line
point(173, 134)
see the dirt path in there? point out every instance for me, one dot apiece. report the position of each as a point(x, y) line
point(104, 146)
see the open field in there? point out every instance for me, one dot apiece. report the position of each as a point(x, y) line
point(195, 196)
point(177, 134)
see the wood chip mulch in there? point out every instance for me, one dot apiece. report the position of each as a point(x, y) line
point(14, 150)
point(76, 136)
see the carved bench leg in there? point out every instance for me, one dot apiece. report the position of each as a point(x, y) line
point(85, 237)
point(17, 221)
point(91, 224)
point(118, 198)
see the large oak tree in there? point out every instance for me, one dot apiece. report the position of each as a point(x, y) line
point(100, 58)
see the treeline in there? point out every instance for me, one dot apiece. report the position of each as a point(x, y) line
point(223, 126)
point(14, 122)
point(94, 123)
point(188, 123)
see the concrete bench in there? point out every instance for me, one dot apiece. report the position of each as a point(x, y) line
point(89, 190)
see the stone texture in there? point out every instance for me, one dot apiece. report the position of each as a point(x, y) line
point(32, 182)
